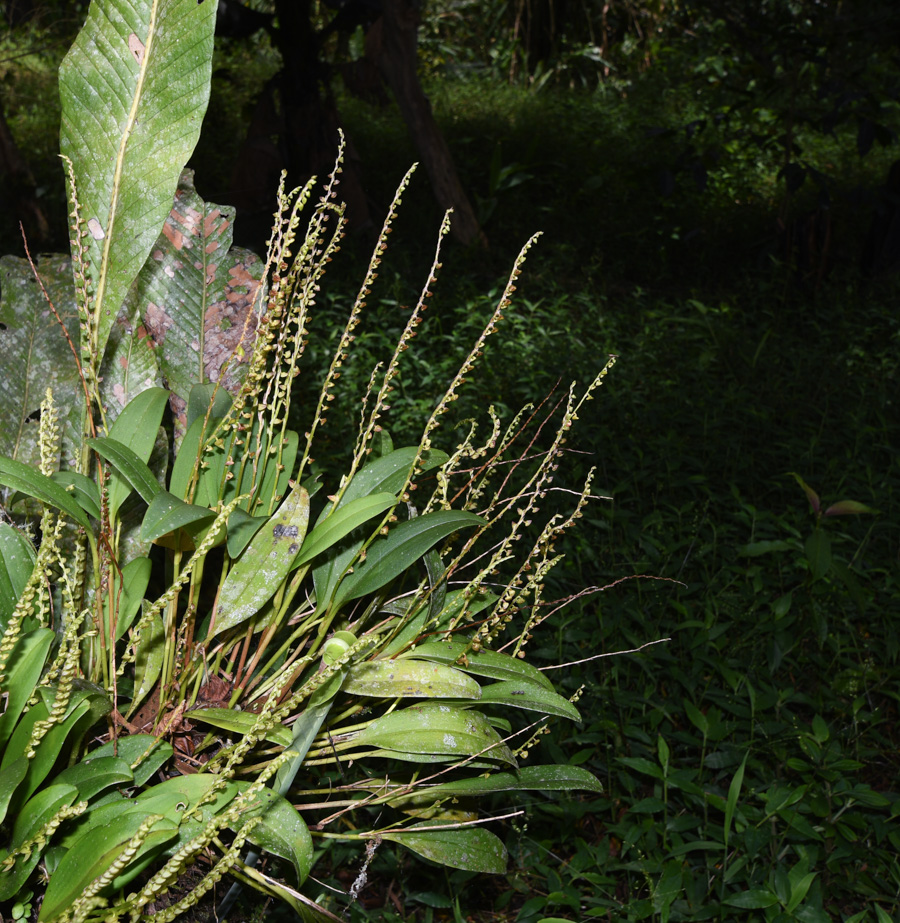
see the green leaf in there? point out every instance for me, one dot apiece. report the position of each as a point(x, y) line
point(755, 549)
point(642, 765)
point(818, 553)
point(200, 301)
point(811, 495)
point(754, 899)
point(135, 428)
point(848, 508)
point(148, 662)
point(35, 355)
point(10, 777)
point(799, 890)
point(383, 475)
point(470, 848)
point(390, 556)
point(388, 474)
point(458, 605)
point(94, 776)
point(143, 753)
point(91, 856)
point(134, 471)
point(84, 490)
point(51, 745)
point(734, 791)
point(282, 831)
point(439, 729)
point(241, 529)
point(191, 446)
point(17, 557)
point(553, 778)
point(126, 593)
point(409, 679)
point(240, 722)
point(166, 513)
point(341, 522)
point(255, 578)
point(483, 663)
point(134, 88)
point(174, 796)
point(530, 697)
point(25, 667)
point(41, 808)
point(22, 477)
point(39, 811)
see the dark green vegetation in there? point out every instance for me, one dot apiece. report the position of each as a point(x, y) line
point(749, 762)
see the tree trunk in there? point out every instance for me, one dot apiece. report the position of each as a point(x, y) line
point(397, 59)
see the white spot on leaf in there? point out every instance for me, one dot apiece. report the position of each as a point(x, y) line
point(96, 230)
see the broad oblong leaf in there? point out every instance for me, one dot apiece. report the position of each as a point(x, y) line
point(26, 479)
point(82, 488)
point(383, 475)
point(136, 428)
point(254, 579)
point(128, 466)
point(436, 729)
point(148, 662)
point(409, 679)
point(37, 812)
point(389, 556)
point(529, 778)
point(281, 830)
point(93, 854)
point(848, 508)
point(343, 521)
point(10, 778)
point(125, 594)
point(166, 513)
point(530, 697)
point(470, 848)
point(482, 663)
point(91, 778)
point(17, 557)
point(134, 88)
point(143, 753)
point(23, 672)
point(241, 529)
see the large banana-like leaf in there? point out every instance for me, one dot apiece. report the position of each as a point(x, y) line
point(134, 88)
point(198, 298)
point(34, 354)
